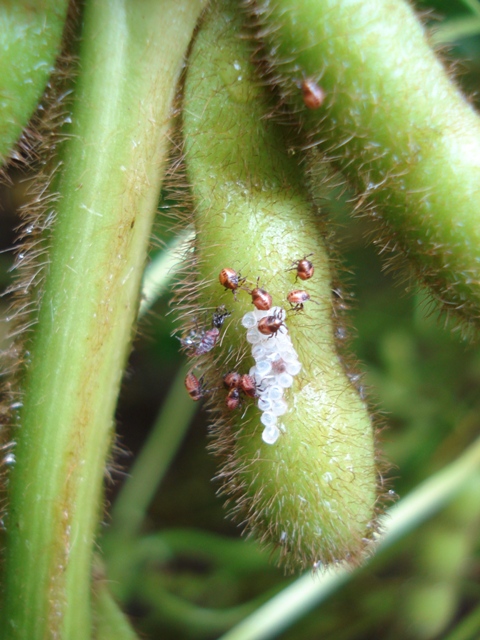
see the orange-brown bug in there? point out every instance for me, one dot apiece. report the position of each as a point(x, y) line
point(304, 268)
point(297, 297)
point(233, 399)
point(261, 299)
point(248, 386)
point(313, 95)
point(232, 379)
point(230, 279)
point(194, 387)
point(270, 325)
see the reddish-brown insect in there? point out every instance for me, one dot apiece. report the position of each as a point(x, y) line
point(230, 279)
point(313, 95)
point(304, 268)
point(233, 399)
point(232, 379)
point(194, 387)
point(261, 299)
point(248, 386)
point(270, 325)
point(297, 299)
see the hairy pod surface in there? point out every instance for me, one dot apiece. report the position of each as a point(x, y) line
point(394, 123)
point(311, 492)
point(30, 38)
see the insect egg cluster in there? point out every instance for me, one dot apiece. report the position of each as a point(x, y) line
point(276, 364)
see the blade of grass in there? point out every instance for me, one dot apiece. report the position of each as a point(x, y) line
point(130, 508)
point(456, 29)
point(473, 5)
point(161, 270)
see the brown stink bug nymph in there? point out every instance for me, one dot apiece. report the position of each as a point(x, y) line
point(261, 299)
point(248, 386)
point(230, 279)
point(232, 379)
point(304, 268)
point(194, 387)
point(313, 95)
point(233, 399)
point(297, 298)
point(270, 325)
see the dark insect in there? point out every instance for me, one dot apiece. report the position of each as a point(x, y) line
point(233, 399)
point(313, 95)
point(270, 325)
point(194, 387)
point(248, 386)
point(219, 316)
point(230, 279)
point(304, 268)
point(297, 298)
point(261, 299)
point(231, 379)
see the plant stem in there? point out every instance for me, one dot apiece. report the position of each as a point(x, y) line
point(130, 508)
point(131, 56)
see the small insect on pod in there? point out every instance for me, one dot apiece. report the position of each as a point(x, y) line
point(248, 386)
point(270, 325)
point(231, 380)
point(233, 399)
point(304, 268)
point(261, 299)
point(313, 95)
point(220, 315)
point(194, 387)
point(207, 341)
point(297, 298)
point(230, 279)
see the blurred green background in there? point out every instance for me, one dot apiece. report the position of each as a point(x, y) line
point(189, 574)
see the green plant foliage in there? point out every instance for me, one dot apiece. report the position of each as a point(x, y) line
point(164, 555)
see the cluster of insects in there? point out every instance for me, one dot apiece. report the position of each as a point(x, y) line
point(276, 361)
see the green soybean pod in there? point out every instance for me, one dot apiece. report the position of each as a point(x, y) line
point(298, 464)
point(394, 123)
point(30, 39)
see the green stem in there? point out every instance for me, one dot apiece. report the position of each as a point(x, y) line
point(130, 508)
point(30, 39)
point(110, 623)
point(131, 56)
